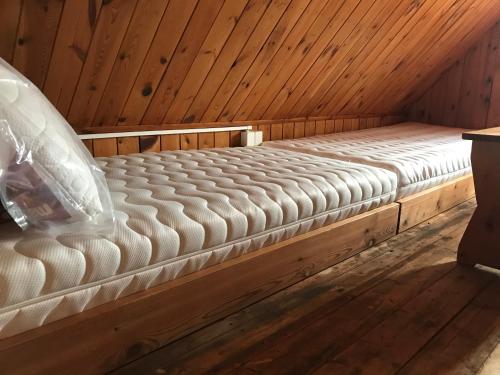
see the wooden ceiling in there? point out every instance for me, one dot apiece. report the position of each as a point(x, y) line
point(128, 62)
point(467, 94)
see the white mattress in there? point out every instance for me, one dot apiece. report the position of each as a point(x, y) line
point(179, 212)
point(421, 155)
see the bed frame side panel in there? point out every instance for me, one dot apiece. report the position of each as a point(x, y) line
point(419, 207)
point(113, 334)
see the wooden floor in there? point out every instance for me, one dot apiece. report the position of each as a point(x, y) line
point(403, 306)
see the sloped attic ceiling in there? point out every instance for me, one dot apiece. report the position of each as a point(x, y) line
point(127, 62)
point(467, 94)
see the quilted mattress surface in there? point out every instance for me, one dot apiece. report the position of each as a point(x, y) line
point(421, 155)
point(179, 212)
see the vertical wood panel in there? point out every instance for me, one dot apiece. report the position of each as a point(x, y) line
point(235, 138)
point(339, 125)
point(189, 141)
point(131, 55)
point(452, 95)
point(329, 126)
point(241, 77)
point(254, 82)
point(159, 56)
point(288, 130)
point(363, 123)
point(446, 31)
point(149, 143)
point(229, 55)
point(244, 57)
point(320, 127)
point(70, 51)
point(112, 24)
point(128, 145)
point(9, 20)
point(192, 39)
point(207, 56)
point(89, 143)
point(105, 147)
point(266, 132)
point(299, 129)
point(315, 74)
point(206, 140)
point(276, 131)
point(170, 142)
point(466, 94)
point(35, 38)
point(271, 85)
point(310, 128)
point(222, 139)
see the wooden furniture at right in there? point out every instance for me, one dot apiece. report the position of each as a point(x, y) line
point(481, 241)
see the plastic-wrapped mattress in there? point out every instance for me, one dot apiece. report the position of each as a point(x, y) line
point(177, 213)
point(421, 155)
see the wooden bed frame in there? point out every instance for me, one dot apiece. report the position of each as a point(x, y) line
point(105, 337)
point(422, 206)
point(110, 335)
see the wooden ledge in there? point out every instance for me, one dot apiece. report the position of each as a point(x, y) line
point(486, 135)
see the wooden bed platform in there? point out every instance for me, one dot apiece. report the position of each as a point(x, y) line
point(116, 333)
point(107, 336)
point(419, 207)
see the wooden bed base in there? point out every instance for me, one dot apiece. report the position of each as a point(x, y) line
point(419, 207)
point(103, 338)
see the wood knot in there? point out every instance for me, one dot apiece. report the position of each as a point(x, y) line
point(147, 90)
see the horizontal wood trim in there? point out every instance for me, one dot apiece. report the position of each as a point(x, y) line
point(419, 207)
point(387, 118)
point(485, 135)
point(223, 133)
point(107, 336)
point(147, 133)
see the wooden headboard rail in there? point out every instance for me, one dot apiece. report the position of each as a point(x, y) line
point(163, 132)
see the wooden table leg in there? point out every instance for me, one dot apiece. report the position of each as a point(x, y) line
point(481, 241)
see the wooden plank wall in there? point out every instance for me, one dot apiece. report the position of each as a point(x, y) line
point(467, 94)
point(140, 62)
point(271, 130)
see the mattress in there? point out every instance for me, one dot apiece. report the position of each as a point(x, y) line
point(177, 213)
point(421, 155)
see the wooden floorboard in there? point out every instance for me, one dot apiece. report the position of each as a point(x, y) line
point(403, 306)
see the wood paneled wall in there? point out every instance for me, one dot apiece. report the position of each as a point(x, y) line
point(271, 130)
point(467, 94)
point(133, 62)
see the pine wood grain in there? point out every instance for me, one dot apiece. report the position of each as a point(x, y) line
point(36, 33)
point(9, 20)
point(111, 27)
point(139, 36)
point(128, 145)
point(468, 88)
point(199, 61)
point(71, 46)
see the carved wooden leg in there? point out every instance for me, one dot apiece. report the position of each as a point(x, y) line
point(481, 241)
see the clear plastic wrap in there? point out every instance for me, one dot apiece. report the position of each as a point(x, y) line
point(48, 179)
